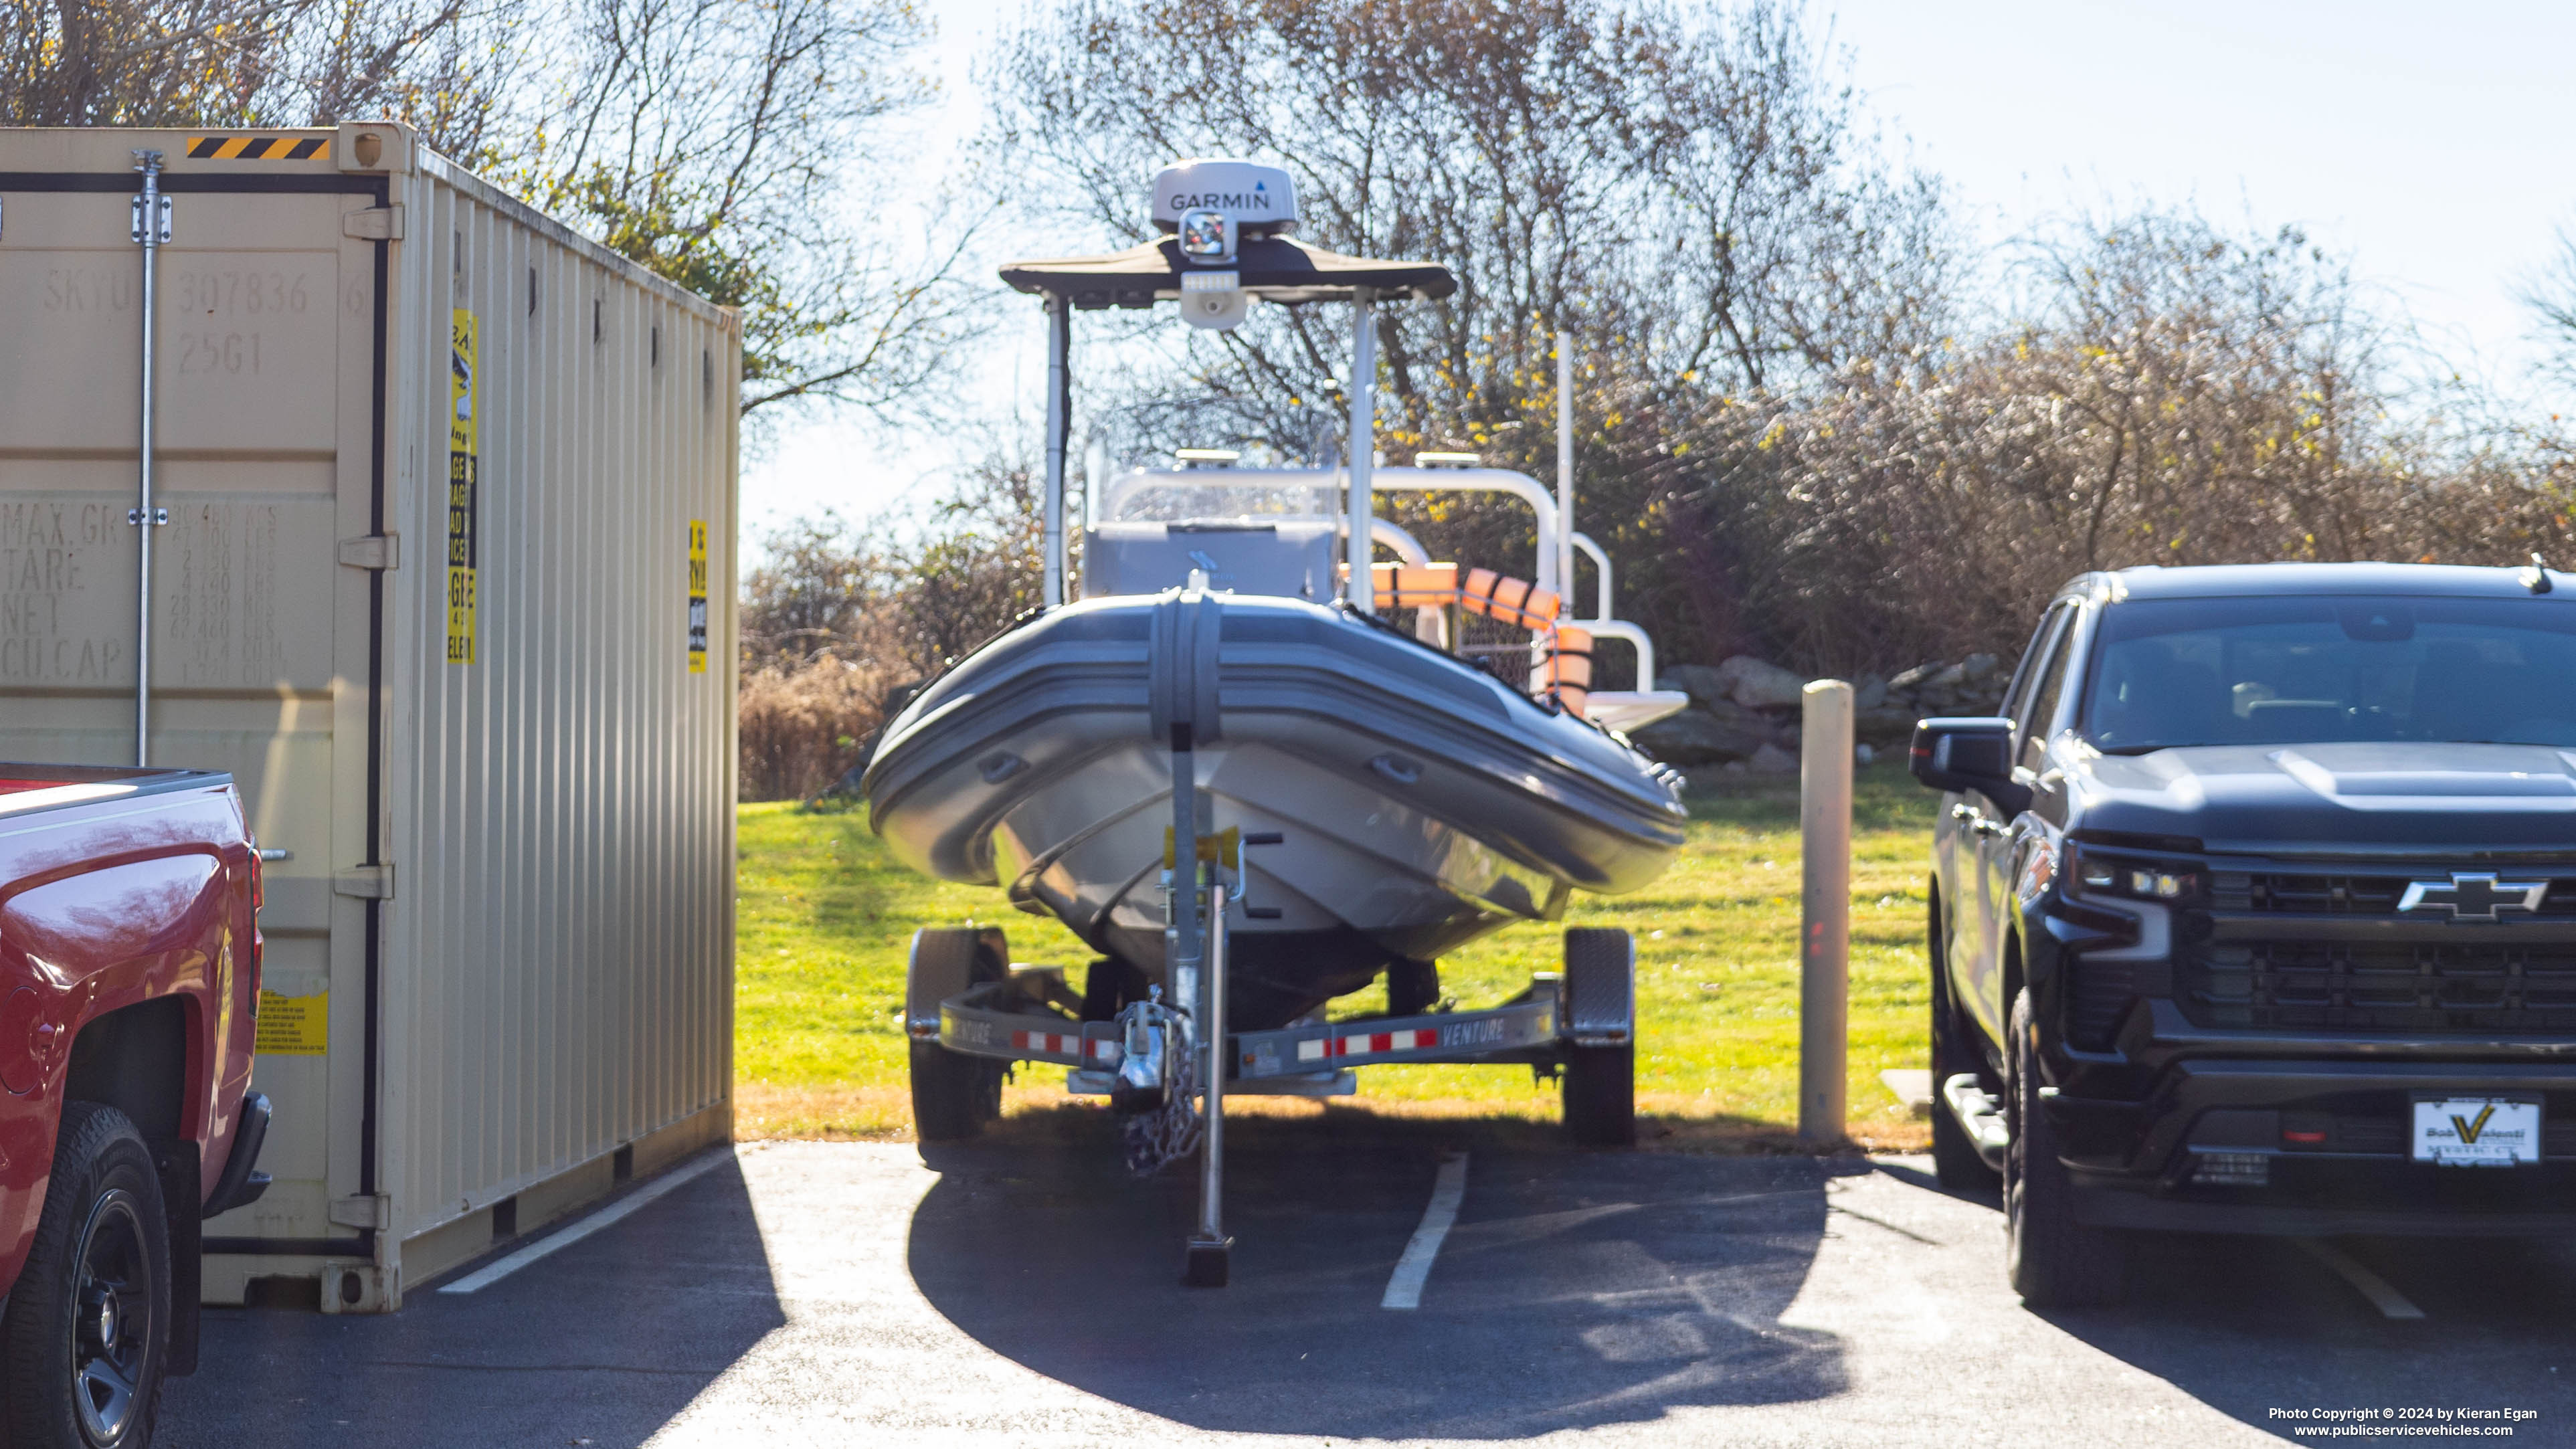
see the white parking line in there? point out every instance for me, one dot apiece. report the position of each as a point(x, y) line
point(2388, 1300)
point(607, 1217)
point(1404, 1290)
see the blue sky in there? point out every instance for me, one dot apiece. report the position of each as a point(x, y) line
point(2435, 146)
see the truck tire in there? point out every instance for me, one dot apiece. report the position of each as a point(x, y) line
point(1955, 1160)
point(2053, 1260)
point(1599, 1082)
point(86, 1339)
point(953, 1095)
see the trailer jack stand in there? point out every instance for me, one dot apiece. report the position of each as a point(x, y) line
point(1204, 1262)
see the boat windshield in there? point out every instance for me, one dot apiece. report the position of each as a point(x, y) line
point(1213, 495)
point(2287, 671)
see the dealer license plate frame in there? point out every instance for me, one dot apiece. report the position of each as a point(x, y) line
point(2475, 1130)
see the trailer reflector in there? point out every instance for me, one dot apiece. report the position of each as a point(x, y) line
point(1066, 1044)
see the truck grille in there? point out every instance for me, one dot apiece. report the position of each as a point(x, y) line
point(2483, 989)
point(2370, 893)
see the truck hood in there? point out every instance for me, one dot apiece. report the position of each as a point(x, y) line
point(2346, 798)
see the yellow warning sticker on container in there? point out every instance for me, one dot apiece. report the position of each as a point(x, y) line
point(697, 596)
point(464, 482)
point(259, 148)
point(294, 1026)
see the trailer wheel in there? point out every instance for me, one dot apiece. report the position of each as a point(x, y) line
point(1108, 987)
point(953, 1095)
point(86, 1340)
point(1601, 1095)
point(1600, 1014)
point(1412, 987)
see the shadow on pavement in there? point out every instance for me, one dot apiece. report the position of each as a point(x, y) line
point(557, 1353)
point(2251, 1326)
point(1577, 1288)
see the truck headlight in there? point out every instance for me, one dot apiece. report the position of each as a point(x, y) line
point(2098, 873)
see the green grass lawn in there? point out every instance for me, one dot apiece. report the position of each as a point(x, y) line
point(825, 916)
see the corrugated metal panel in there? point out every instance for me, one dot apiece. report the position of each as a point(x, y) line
point(553, 972)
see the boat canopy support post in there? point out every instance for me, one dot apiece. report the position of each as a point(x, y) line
point(1206, 1260)
point(1059, 424)
point(1358, 588)
point(1565, 476)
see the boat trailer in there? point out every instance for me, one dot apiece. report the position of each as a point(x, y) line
point(1578, 1024)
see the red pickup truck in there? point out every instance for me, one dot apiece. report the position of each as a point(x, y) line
point(129, 976)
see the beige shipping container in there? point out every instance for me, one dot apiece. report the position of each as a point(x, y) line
point(447, 583)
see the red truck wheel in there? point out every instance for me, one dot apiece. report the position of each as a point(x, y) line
point(87, 1334)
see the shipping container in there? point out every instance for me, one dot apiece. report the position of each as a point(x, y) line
point(441, 569)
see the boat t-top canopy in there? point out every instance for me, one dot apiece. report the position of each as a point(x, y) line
point(1224, 245)
point(1273, 268)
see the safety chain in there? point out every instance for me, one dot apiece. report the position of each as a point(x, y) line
point(1155, 1140)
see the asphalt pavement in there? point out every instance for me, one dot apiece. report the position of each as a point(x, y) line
point(1026, 1293)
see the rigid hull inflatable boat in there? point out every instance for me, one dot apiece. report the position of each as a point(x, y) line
point(1254, 768)
point(1419, 801)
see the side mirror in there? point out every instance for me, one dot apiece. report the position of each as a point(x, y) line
point(1969, 754)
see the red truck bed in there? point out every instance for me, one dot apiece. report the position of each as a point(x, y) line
point(129, 980)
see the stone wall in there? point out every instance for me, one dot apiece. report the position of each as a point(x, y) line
point(1744, 711)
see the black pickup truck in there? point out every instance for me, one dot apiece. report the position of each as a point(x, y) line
point(2254, 910)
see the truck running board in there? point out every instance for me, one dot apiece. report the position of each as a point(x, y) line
point(1980, 1116)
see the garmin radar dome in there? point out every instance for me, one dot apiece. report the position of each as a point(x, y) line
point(1209, 207)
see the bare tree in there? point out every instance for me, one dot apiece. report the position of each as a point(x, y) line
point(2167, 392)
point(810, 592)
point(442, 64)
point(734, 146)
point(1696, 197)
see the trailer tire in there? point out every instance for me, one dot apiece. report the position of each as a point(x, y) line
point(1600, 1085)
point(1412, 987)
point(86, 1340)
point(953, 1095)
point(1107, 988)
point(1598, 1010)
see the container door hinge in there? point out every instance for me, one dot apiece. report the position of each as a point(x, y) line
point(375, 551)
point(363, 1212)
point(366, 882)
point(159, 206)
point(383, 223)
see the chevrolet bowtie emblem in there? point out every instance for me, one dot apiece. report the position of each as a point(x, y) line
point(2473, 897)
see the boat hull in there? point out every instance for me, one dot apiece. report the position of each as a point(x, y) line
point(1419, 803)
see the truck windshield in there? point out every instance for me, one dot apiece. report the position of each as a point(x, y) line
point(2287, 671)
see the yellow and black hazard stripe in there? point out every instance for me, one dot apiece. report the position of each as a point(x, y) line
point(258, 148)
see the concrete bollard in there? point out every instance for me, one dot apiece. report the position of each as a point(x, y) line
point(1824, 902)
